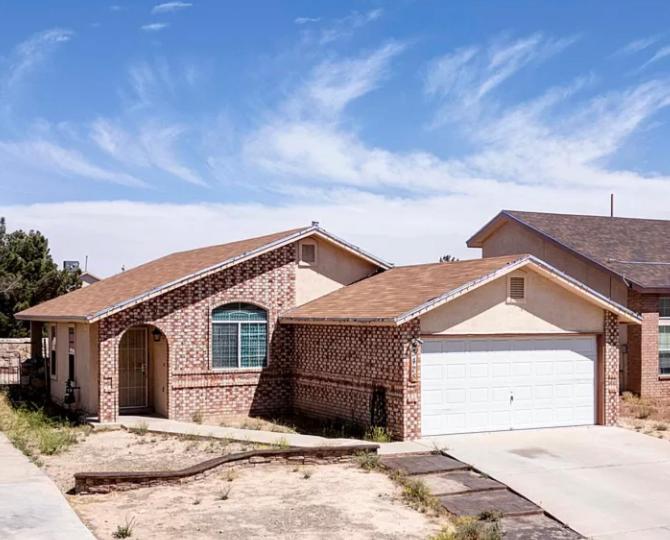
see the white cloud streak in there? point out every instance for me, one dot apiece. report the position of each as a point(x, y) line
point(154, 27)
point(660, 54)
point(170, 7)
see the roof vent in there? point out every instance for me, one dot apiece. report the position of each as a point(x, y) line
point(315, 223)
point(517, 288)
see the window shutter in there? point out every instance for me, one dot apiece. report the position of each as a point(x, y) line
point(517, 288)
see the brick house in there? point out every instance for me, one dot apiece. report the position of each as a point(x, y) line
point(304, 322)
point(625, 259)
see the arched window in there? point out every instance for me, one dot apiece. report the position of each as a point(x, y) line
point(239, 336)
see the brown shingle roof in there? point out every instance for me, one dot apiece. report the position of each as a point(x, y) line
point(629, 247)
point(86, 302)
point(391, 294)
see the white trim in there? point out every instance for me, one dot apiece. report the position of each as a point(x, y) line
point(625, 314)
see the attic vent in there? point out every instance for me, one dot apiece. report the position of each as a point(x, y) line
point(517, 288)
point(308, 253)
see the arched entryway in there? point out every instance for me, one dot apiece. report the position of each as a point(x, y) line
point(143, 371)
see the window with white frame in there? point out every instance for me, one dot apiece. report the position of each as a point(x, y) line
point(664, 306)
point(664, 350)
point(239, 336)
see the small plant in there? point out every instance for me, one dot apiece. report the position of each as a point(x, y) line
point(660, 426)
point(377, 434)
point(196, 501)
point(55, 441)
point(126, 530)
point(416, 493)
point(437, 449)
point(307, 474)
point(490, 515)
point(281, 443)
point(224, 493)
point(196, 417)
point(231, 474)
point(367, 460)
point(140, 428)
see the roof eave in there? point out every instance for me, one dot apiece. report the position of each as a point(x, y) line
point(347, 321)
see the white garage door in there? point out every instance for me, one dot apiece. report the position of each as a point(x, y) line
point(470, 385)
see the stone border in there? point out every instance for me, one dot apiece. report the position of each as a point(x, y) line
point(104, 482)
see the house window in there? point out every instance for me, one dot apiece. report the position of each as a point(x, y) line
point(664, 350)
point(664, 306)
point(239, 336)
point(517, 289)
point(53, 361)
point(70, 353)
point(308, 253)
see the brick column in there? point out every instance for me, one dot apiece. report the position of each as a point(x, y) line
point(611, 359)
point(108, 397)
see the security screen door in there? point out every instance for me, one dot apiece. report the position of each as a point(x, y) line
point(133, 369)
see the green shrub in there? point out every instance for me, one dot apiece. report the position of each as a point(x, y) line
point(377, 434)
point(140, 428)
point(367, 460)
point(126, 530)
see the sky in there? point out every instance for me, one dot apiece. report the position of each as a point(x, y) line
point(132, 129)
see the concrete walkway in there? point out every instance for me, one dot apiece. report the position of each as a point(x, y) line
point(31, 506)
point(164, 425)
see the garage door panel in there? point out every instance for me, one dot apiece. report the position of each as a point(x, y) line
point(551, 379)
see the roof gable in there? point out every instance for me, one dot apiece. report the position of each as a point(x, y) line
point(157, 277)
point(637, 250)
point(404, 293)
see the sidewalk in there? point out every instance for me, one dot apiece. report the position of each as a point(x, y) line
point(264, 437)
point(31, 506)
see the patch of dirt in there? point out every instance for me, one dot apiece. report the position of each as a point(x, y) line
point(120, 450)
point(648, 416)
point(268, 501)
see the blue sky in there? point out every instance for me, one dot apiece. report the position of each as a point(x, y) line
point(132, 129)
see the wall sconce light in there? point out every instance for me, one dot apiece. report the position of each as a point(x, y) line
point(156, 335)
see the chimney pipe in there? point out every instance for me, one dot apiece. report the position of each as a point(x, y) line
point(611, 204)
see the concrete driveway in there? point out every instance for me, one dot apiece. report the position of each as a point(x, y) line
point(604, 482)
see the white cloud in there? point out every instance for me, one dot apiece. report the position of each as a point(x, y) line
point(169, 7)
point(28, 55)
point(461, 79)
point(46, 157)
point(661, 53)
point(306, 20)
point(154, 27)
point(334, 84)
point(638, 45)
point(339, 29)
point(155, 145)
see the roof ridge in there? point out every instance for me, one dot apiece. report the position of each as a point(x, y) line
point(514, 212)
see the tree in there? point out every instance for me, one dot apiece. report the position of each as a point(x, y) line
point(28, 276)
point(448, 258)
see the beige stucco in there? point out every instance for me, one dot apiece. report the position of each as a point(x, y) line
point(512, 238)
point(334, 268)
point(548, 308)
point(158, 358)
point(85, 364)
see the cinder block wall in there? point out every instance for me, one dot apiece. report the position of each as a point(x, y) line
point(338, 367)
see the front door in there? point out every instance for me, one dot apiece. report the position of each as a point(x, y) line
point(133, 369)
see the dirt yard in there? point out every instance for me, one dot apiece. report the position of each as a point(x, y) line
point(650, 417)
point(120, 450)
point(267, 501)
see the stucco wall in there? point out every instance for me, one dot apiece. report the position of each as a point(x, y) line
point(513, 238)
point(334, 268)
point(85, 364)
point(548, 308)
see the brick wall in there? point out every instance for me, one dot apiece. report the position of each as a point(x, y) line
point(13, 351)
point(337, 368)
point(183, 315)
point(643, 377)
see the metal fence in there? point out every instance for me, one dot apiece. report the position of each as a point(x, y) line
point(10, 375)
